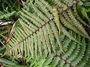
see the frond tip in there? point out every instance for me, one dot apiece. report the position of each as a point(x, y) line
point(56, 17)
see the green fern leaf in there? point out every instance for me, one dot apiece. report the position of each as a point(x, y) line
point(76, 23)
point(66, 33)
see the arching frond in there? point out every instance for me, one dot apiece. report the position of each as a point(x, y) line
point(75, 55)
point(43, 27)
point(54, 34)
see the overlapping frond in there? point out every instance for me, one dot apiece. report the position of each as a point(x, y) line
point(45, 34)
point(38, 31)
point(75, 55)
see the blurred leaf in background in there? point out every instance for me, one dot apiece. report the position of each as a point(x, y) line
point(84, 10)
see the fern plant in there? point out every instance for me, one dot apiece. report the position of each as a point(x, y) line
point(75, 56)
point(53, 32)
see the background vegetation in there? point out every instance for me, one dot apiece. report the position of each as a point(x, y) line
point(32, 34)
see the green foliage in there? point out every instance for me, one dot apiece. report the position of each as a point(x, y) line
point(6, 61)
point(44, 37)
point(75, 55)
point(84, 10)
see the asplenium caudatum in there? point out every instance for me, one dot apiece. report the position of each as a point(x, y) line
point(30, 40)
point(41, 28)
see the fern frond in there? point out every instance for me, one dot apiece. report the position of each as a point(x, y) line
point(44, 9)
point(86, 57)
point(76, 23)
point(78, 17)
point(31, 46)
point(43, 41)
point(68, 3)
point(56, 34)
point(37, 36)
point(76, 50)
point(65, 43)
point(61, 5)
point(66, 33)
point(48, 60)
point(34, 17)
point(47, 5)
point(39, 43)
point(80, 55)
point(47, 39)
point(27, 17)
point(30, 28)
point(36, 44)
point(67, 22)
point(69, 51)
point(54, 62)
point(40, 14)
point(71, 58)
